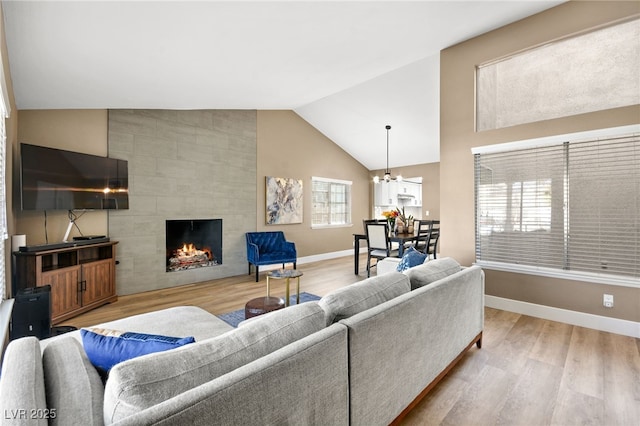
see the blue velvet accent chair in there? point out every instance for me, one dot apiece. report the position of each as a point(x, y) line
point(267, 248)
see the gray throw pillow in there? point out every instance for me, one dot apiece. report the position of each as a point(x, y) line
point(432, 271)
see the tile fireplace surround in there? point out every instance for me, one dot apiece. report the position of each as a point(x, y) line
point(187, 165)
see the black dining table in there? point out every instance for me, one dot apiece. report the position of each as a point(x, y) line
point(399, 238)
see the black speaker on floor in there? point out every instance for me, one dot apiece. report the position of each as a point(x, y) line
point(31, 314)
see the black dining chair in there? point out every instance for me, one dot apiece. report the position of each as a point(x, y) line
point(378, 243)
point(365, 221)
point(434, 237)
point(427, 237)
point(421, 231)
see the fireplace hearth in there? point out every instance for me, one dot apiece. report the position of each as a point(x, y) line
point(193, 244)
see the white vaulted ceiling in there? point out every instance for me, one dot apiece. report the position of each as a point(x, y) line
point(347, 67)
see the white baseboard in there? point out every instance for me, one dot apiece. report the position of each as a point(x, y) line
point(326, 256)
point(314, 258)
point(596, 322)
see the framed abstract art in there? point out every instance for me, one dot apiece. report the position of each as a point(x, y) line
point(284, 200)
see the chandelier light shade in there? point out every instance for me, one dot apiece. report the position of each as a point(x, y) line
point(387, 173)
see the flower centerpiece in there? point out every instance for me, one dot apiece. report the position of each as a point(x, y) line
point(407, 221)
point(391, 218)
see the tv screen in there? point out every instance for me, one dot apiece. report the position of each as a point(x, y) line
point(55, 179)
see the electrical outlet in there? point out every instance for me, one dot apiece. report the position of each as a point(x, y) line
point(426, 213)
point(607, 300)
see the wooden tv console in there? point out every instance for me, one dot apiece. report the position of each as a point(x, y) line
point(81, 277)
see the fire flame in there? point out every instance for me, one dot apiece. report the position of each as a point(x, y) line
point(189, 250)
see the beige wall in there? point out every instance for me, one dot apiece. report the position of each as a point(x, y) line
point(289, 147)
point(458, 137)
point(74, 130)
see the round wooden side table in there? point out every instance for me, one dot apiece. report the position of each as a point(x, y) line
point(262, 305)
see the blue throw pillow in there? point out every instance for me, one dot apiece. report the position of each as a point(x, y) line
point(106, 348)
point(411, 258)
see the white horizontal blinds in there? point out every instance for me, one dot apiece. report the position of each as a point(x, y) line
point(4, 113)
point(331, 201)
point(519, 206)
point(604, 225)
point(570, 206)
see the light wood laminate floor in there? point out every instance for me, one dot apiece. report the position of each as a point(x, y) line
point(529, 371)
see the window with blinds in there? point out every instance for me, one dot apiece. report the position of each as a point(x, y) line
point(568, 205)
point(5, 111)
point(4, 235)
point(3, 205)
point(331, 202)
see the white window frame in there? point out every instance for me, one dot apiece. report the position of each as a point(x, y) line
point(5, 112)
point(6, 305)
point(348, 222)
point(601, 278)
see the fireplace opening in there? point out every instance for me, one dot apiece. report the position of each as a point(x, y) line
point(193, 244)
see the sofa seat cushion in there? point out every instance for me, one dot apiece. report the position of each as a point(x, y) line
point(176, 321)
point(432, 271)
point(73, 388)
point(275, 257)
point(143, 382)
point(106, 348)
point(22, 383)
point(347, 301)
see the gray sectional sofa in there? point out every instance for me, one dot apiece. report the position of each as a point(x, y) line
point(364, 355)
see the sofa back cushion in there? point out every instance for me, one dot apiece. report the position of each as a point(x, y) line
point(73, 387)
point(432, 271)
point(22, 383)
point(358, 297)
point(142, 382)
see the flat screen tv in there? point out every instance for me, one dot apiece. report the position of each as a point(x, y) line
point(55, 179)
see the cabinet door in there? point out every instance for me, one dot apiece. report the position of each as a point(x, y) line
point(377, 195)
point(390, 193)
point(98, 281)
point(416, 191)
point(65, 290)
point(385, 194)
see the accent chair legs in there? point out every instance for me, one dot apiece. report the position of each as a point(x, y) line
point(295, 266)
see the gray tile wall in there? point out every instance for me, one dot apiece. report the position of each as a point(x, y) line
point(182, 165)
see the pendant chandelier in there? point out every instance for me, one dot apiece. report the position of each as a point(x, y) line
point(387, 173)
